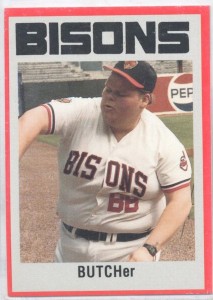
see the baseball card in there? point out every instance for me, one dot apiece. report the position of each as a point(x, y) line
point(107, 151)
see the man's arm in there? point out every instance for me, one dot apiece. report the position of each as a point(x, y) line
point(31, 124)
point(177, 209)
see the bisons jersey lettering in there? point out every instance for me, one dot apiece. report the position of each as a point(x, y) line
point(112, 186)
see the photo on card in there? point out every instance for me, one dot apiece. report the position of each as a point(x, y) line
point(107, 151)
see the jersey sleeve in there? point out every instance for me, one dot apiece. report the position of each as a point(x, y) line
point(65, 114)
point(174, 168)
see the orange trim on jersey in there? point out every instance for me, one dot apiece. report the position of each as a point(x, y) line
point(49, 112)
point(176, 188)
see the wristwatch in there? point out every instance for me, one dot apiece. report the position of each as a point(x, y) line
point(152, 249)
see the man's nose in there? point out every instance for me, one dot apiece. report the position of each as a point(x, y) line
point(112, 96)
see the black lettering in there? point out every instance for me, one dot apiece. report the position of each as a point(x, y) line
point(73, 157)
point(80, 161)
point(113, 171)
point(182, 93)
point(75, 38)
point(176, 42)
point(99, 270)
point(117, 271)
point(54, 38)
point(189, 92)
point(147, 41)
point(126, 179)
point(81, 271)
point(138, 176)
point(174, 92)
point(71, 33)
point(131, 271)
point(90, 271)
point(102, 48)
point(108, 272)
point(90, 166)
point(30, 39)
point(126, 272)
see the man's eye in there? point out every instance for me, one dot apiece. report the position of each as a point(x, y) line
point(108, 90)
point(116, 94)
point(120, 95)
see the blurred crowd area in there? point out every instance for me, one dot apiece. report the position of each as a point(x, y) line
point(64, 71)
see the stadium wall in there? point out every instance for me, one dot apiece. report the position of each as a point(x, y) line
point(173, 92)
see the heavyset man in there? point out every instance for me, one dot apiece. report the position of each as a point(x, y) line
point(124, 178)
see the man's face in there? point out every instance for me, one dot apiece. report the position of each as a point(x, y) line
point(121, 103)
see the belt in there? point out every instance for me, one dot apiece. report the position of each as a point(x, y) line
point(102, 236)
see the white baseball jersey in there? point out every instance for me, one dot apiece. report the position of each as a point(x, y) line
point(112, 186)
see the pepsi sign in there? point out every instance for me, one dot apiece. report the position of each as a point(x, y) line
point(180, 92)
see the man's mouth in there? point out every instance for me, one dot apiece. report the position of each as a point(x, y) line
point(108, 107)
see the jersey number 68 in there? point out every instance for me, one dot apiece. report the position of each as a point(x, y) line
point(122, 203)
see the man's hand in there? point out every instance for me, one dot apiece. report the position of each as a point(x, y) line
point(139, 255)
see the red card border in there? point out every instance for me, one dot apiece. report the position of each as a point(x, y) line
point(204, 12)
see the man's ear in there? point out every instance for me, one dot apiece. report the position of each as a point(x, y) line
point(146, 99)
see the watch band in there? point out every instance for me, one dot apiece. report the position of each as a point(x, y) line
point(152, 249)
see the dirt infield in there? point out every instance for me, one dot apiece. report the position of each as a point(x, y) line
point(38, 219)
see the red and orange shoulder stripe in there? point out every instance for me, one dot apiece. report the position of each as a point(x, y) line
point(51, 118)
point(176, 186)
point(51, 113)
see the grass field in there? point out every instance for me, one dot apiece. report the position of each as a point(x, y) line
point(49, 139)
point(182, 127)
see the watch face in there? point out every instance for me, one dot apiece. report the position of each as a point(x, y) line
point(152, 249)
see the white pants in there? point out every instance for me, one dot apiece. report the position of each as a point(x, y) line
point(71, 248)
